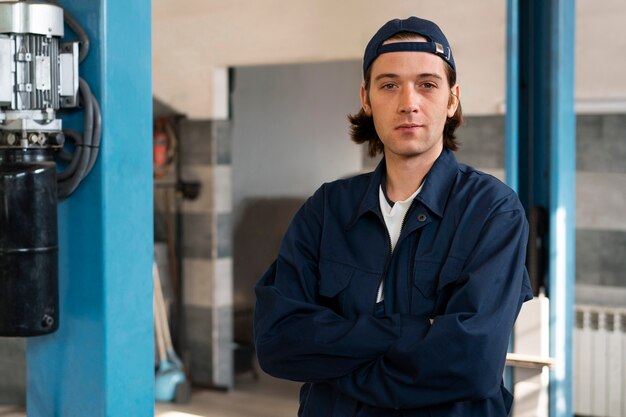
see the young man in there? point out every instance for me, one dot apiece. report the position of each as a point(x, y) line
point(395, 292)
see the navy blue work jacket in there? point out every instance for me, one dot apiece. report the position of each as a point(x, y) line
point(454, 286)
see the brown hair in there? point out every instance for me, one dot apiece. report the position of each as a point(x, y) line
point(362, 127)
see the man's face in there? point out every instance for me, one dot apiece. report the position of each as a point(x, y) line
point(409, 99)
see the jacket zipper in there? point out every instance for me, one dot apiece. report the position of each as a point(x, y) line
point(382, 278)
point(390, 254)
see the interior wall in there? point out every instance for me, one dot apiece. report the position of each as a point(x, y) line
point(600, 188)
point(191, 38)
point(194, 37)
point(290, 132)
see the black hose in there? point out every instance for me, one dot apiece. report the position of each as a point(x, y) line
point(97, 133)
point(86, 146)
point(75, 137)
point(88, 128)
point(83, 39)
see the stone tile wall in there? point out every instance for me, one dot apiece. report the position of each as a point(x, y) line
point(206, 242)
point(13, 370)
point(600, 188)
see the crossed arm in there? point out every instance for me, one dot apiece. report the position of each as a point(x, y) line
point(400, 360)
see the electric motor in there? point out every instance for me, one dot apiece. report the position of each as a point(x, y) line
point(38, 76)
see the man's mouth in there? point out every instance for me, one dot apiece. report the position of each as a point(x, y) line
point(409, 126)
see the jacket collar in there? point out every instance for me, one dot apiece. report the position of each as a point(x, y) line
point(438, 182)
point(435, 191)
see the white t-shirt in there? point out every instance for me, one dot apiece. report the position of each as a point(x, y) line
point(393, 216)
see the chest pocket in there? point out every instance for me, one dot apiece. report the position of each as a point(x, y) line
point(347, 290)
point(426, 274)
point(434, 284)
point(450, 278)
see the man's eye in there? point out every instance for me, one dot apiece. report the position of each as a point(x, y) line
point(389, 86)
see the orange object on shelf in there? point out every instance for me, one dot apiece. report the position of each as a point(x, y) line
point(160, 148)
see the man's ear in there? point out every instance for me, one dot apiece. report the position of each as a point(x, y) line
point(454, 100)
point(365, 103)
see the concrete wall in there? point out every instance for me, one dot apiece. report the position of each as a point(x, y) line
point(290, 132)
point(13, 369)
point(289, 135)
point(206, 247)
point(600, 188)
point(193, 38)
point(601, 198)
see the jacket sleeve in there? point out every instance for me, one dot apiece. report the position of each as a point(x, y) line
point(461, 357)
point(298, 338)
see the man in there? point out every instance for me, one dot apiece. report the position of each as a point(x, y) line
point(395, 292)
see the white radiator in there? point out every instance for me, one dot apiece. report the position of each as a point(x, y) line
point(599, 362)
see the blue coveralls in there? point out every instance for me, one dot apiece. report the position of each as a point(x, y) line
point(458, 264)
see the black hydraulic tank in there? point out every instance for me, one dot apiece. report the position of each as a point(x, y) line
point(29, 295)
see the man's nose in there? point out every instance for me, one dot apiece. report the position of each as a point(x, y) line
point(409, 101)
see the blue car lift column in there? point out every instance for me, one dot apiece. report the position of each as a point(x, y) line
point(101, 360)
point(541, 163)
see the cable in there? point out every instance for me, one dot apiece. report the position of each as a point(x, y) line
point(97, 132)
point(86, 145)
point(71, 158)
point(83, 39)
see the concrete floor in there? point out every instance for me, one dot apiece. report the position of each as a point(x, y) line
point(267, 397)
point(12, 411)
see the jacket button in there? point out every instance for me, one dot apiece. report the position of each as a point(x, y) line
point(421, 217)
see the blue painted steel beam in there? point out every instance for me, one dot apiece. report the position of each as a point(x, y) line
point(547, 164)
point(533, 102)
point(100, 362)
point(511, 125)
point(562, 203)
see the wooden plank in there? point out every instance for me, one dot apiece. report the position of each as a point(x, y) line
point(528, 361)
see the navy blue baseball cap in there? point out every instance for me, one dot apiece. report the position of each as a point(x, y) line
point(436, 40)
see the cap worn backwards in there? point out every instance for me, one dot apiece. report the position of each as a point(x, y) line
point(436, 41)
